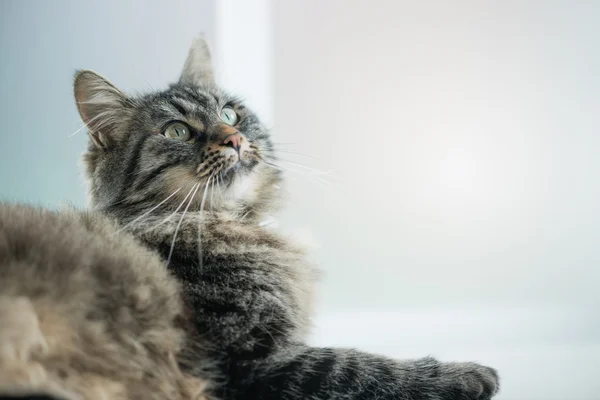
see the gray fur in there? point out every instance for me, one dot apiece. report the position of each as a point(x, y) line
point(249, 290)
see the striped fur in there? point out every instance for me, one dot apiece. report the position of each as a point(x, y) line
point(248, 290)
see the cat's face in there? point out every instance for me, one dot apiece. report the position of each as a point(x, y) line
point(190, 144)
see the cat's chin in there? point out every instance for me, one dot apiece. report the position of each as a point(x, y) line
point(240, 170)
point(241, 185)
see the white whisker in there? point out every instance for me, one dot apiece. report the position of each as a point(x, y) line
point(284, 143)
point(309, 175)
point(78, 130)
point(212, 196)
point(149, 211)
point(205, 192)
point(87, 125)
point(200, 221)
point(220, 183)
point(179, 224)
point(177, 209)
point(219, 188)
point(296, 154)
point(313, 170)
point(274, 166)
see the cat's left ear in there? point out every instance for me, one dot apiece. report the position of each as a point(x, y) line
point(198, 69)
point(102, 107)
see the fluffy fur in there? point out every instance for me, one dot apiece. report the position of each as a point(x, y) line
point(87, 312)
point(198, 202)
point(90, 311)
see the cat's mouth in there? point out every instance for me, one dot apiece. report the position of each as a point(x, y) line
point(228, 166)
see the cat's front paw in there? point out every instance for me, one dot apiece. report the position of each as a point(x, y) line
point(469, 381)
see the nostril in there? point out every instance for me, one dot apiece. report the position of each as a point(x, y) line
point(234, 140)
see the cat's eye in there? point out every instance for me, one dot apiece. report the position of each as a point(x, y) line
point(177, 131)
point(229, 116)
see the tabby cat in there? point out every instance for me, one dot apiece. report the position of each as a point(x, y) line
point(192, 172)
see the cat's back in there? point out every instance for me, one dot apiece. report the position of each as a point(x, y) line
point(86, 310)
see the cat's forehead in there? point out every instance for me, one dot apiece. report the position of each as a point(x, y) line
point(204, 98)
point(203, 103)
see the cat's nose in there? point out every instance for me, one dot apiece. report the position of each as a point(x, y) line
point(233, 140)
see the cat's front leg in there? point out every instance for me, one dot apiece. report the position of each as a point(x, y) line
point(470, 381)
point(335, 373)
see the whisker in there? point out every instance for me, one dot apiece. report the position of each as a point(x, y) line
point(212, 195)
point(149, 211)
point(178, 207)
point(296, 154)
point(179, 224)
point(275, 166)
point(205, 192)
point(316, 174)
point(87, 125)
point(315, 177)
point(245, 214)
point(78, 130)
point(150, 86)
point(200, 221)
point(314, 170)
point(219, 187)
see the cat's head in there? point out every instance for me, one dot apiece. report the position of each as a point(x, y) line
point(191, 143)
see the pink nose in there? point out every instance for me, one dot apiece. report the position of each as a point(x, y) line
point(234, 140)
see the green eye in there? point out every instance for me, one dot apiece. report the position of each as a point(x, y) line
point(229, 116)
point(177, 131)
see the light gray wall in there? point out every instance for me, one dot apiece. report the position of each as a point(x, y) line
point(462, 218)
point(465, 137)
point(136, 44)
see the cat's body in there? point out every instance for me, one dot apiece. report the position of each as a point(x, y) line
point(191, 172)
point(86, 312)
point(251, 297)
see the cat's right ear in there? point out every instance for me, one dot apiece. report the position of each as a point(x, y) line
point(198, 69)
point(101, 106)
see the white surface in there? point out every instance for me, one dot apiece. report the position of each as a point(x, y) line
point(541, 354)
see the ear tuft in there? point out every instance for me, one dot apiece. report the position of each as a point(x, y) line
point(101, 106)
point(198, 70)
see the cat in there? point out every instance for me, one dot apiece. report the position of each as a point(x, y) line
point(191, 172)
point(86, 311)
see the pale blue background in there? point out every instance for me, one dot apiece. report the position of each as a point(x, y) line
point(136, 44)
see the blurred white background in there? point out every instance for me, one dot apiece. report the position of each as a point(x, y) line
point(459, 215)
